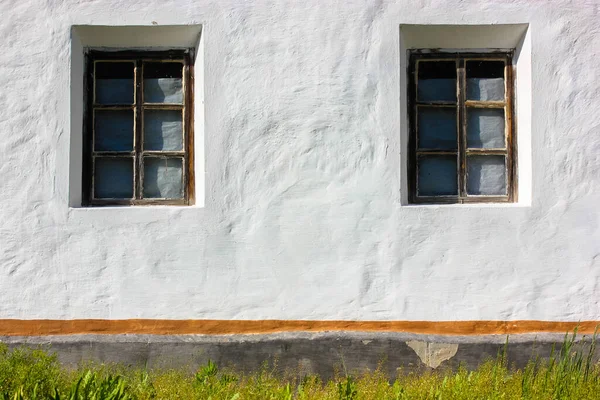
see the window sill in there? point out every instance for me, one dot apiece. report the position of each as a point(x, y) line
point(135, 207)
point(469, 205)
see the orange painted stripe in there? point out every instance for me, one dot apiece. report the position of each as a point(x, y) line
point(43, 327)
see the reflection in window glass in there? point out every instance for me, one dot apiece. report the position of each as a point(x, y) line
point(114, 82)
point(485, 80)
point(113, 178)
point(437, 81)
point(437, 127)
point(163, 177)
point(113, 130)
point(163, 130)
point(163, 82)
point(485, 128)
point(437, 176)
point(486, 175)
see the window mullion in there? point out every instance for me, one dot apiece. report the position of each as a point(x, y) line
point(462, 128)
point(138, 171)
point(186, 129)
point(509, 121)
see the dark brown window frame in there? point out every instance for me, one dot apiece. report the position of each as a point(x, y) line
point(461, 105)
point(187, 107)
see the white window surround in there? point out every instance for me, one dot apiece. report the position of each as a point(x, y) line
point(478, 38)
point(134, 38)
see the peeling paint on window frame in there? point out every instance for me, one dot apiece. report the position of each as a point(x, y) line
point(510, 151)
point(185, 56)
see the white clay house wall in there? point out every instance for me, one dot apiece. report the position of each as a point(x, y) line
point(300, 209)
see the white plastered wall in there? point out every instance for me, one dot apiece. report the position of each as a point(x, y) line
point(302, 154)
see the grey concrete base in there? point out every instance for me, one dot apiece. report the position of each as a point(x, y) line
point(300, 353)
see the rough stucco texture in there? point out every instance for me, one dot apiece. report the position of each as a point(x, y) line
point(302, 215)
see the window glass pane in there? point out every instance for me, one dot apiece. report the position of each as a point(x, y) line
point(485, 80)
point(163, 177)
point(163, 130)
point(113, 178)
point(113, 130)
point(163, 82)
point(114, 82)
point(437, 127)
point(486, 175)
point(436, 81)
point(437, 176)
point(485, 128)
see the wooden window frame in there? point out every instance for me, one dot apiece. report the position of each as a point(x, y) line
point(138, 153)
point(510, 151)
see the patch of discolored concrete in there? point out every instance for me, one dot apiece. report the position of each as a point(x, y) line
point(433, 354)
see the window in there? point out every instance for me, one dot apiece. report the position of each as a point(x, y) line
point(138, 128)
point(461, 143)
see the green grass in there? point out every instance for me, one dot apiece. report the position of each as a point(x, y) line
point(34, 374)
